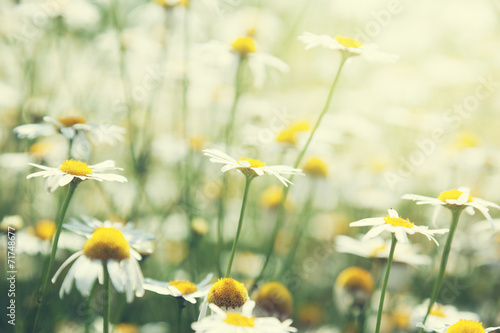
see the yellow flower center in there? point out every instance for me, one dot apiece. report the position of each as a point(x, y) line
point(271, 197)
point(126, 328)
point(315, 167)
point(237, 319)
point(354, 278)
point(228, 293)
point(349, 42)
point(274, 297)
point(437, 310)
point(76, 168)
point(40, 149)
point(253, 163)
point(399, 222)
point(467, 140)
point(107, 244)
point(70, 121)
point(466, 326)
point(244, 45)
point(289, 134)
point(45, 229)
point(185, 287)
point(452, 194)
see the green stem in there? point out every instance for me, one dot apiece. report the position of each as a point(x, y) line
point(59, 223)
point(180, 307)
point(281, 208)
point(237, 94)
point(240, 224)
point(444, 260)
point(88, 315)
point(384, 285)
point(106, 308)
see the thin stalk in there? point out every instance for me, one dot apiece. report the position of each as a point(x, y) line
point(88, 315)
point(240, 224)
point(384, 285)
point(281, 208)
point(106, 308)
point(180, 307)
point(59, 223)
point(237, 94)
point(444, 260)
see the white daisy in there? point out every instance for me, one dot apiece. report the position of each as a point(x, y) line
point(349, 46)
point(75, 129)
point(454, 199)
point(75, 170)
point(440, 315)
point(234, 322)
point(110, 244)
point(379, 248)
point(185, 289)
point(250, 167)
point(244, 48)
point(397, 225)
point(460, 326)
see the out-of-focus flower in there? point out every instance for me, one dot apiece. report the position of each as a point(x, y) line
point(273, 299)
point(379, 248)
point(454, 199)
point(396, 225)
point(290, 133)
point(440, 315)
point(12, 221)
point(350, 47)
point(250, 167)
point(244, 322)
point(184, 289)
point(75, 129)
point(200, 226)
point(271, 197)
point(110, 244)
point(353, 288)
point(460, 327)
point(76, 170)
point(315, 167)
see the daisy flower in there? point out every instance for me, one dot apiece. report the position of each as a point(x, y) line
point(397, 225)
point(250, 167)
point(184, 289)
point(440, 315)
point(379, 248)
point(348, 46)
point(72, 170)
point(244, 48)
point(454, 199)
point(234, 322)
point(75, 129)
point(460, 326)
point(108, 244)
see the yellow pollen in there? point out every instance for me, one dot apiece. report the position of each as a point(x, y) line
point(437, 310)
point(349, 42)
point(45, 229)
point(452, 194)
point(399, 222)
point(76, 168)
point(253, 163)
point(107, 244)
point(185, 287)
point(315, 167)
point(70, 121)
point(228, 293)
point(466, 326)
point(237, 319)
point(244, 45)
point(353, 278)
point(274, 297)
